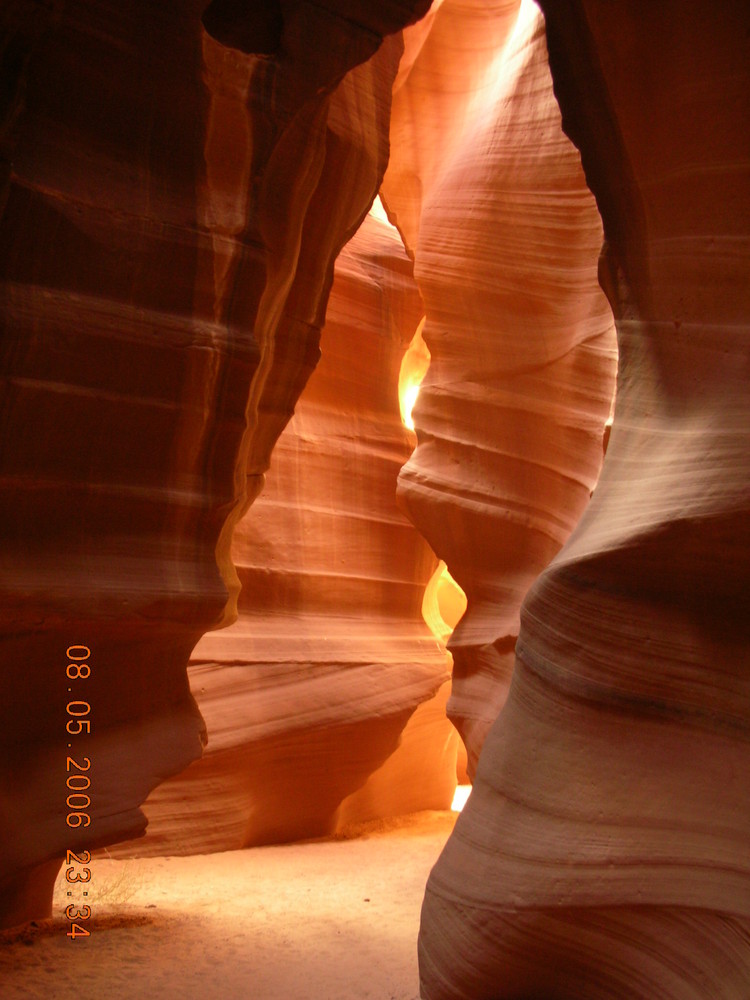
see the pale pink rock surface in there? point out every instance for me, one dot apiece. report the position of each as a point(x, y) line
point(604, 850)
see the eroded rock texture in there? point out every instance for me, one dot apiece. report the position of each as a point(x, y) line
point(490, 195)
point(311, 690)
point(171, 212)
point(604, 850)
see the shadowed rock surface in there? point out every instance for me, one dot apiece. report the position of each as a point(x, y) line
point(171, 212)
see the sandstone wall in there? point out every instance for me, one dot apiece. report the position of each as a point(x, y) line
point(490, 197)
point(314, 687)
point(603, 852)
point(171, 212)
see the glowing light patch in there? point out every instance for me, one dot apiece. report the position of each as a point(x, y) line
point(414, 366)
point(459, 799)
point(443, 603)
point(407, 403)
point(378, 210)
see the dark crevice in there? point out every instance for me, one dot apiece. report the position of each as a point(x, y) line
point(252, 26)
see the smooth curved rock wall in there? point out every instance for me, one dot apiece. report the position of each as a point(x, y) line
point(171, 212)
point(491, 199)
point(309, 697)
point(604, 850)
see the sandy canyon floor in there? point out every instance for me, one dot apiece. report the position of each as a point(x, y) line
point(323, 920)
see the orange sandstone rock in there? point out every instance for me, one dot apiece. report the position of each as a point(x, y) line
point(311, 690)
point(171, 212)
point(491, 199)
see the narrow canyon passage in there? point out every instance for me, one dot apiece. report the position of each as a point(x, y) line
point(375, 420)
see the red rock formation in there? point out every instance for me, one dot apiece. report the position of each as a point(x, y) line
point(604, 850)
point(171, 211)
point(491, 197)
point(309, 692)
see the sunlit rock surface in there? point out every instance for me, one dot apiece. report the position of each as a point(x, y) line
point(310, 691)
point(604, 850)
point(491, 199)
point(171, 212)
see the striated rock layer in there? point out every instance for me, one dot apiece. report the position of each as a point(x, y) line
point(490, 195)
point(604, 850)
point(171, 211)
point(309, 692)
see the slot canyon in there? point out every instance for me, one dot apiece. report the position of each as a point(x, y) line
point(376, 421)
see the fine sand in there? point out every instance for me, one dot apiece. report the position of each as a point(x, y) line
point(322, 920)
